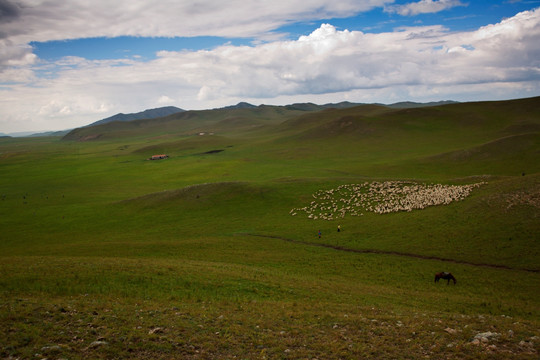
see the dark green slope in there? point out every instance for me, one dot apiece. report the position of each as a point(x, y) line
point(454, 140)
point(321, 121)
point(511, 155)
point(187, 123)
point(480, 121)
point(233, 119)
point(187, 146)
point(470, 137)
point(147, 114)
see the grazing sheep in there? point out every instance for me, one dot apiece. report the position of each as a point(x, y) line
point(382, 198)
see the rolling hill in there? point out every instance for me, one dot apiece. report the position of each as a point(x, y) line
point(146, 114)
point(187, 122)
point(240, 117)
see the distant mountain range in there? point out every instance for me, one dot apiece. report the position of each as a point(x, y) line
point(34, 134)
point(240, 118)
point(343, 105)
point(146, 114)
point(410, 104)
point(240, 105)
point(170, 110)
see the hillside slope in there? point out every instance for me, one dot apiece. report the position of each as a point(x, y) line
point(146, 114)
point(242, 117)
point(184, 123)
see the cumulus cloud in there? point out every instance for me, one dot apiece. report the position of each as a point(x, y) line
point(13, 58)
point(423, 7)
point(329, 61)
point(39, 20)
point(164, 100)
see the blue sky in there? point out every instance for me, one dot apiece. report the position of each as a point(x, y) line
point(67, 64)
point(126, 46)
point(470, 16)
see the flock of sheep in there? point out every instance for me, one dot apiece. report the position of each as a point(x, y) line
point(381, 198)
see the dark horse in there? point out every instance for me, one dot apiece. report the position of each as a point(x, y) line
point(445, 276)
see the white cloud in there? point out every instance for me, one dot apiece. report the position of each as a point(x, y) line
point(337, 61)
point(164, 100)
point(44, 20)
point(423, 7)
point(14, 57)
point(25, 21)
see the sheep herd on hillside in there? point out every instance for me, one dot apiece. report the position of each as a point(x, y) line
point(381, 198)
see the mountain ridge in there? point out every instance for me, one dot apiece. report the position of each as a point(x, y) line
point(146, 114)
point(171, 110)
point(315, 121)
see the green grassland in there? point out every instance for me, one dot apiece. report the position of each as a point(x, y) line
point(105, 254)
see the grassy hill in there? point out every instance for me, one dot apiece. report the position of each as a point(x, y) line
point(146, 114)
point(187, 122)
point(105, 254)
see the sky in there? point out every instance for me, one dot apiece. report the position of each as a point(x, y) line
point(66, 64)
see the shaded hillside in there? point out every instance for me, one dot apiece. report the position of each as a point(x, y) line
point(528, 145)
point(186, 146)
point(193, 196)
point(516, 154)
point(315, 107)
point(147, 114)
point(319, 124)
point(476, 113)
point(489, 119)
point(411, 104)
point(51, 133)
point(240, 105)
point(464, 124)
point(188, 123)
point(236, 118)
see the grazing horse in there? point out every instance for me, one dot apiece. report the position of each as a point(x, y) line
point(445, 276)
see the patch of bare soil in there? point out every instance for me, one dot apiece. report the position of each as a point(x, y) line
point(531, 198)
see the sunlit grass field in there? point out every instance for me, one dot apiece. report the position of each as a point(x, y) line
point(105, 254)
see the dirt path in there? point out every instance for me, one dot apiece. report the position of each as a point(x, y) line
point(397, 253)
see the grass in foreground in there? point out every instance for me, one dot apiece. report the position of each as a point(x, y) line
point(245, 300)
point(108, 327)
